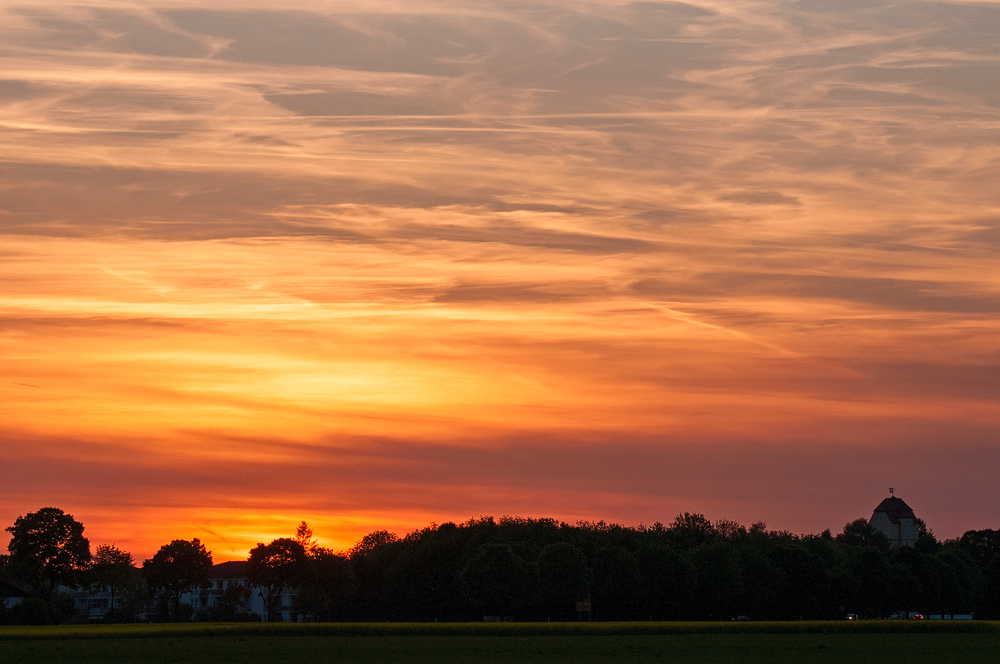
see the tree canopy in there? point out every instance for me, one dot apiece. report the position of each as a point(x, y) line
point(276, 567)
point(177, 568)
point(47, 548)
point(537, 569)
point(112, 569)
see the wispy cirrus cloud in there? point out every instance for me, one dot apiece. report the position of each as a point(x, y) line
point(403, 236)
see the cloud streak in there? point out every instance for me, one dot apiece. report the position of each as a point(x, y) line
point(569, 242)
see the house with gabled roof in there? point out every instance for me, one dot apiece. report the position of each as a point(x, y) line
point(895, 519)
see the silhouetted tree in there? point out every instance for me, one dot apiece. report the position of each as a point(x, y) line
point(692, 529)
point(617, 583)
point(982, 545)
point(805, 582)
point(667, 581)
point(47, 548)
point(869, 576)
point(497, 581)
point(988, 600)
point(718, 580)
point(424, 576)
point(762, 585)
point(274, 568)
point(926, 542)
point(967, 579)
point(860, 533)
point(111, 568)
point(304, 536)
point(325, 591)
point(373, 541)
point(371, 560)
point(563, 578)
point(538, 568)
point(905, 590)
point(177, 568)
point(729, 529)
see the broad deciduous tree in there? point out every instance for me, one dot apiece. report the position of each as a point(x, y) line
point(861, 533)
point(563, 578)
point(497, 580)
point(617, 583)
point(111, 568)
point(324, 593)
point(274, 568)
point(47, 549)
point(177, 568)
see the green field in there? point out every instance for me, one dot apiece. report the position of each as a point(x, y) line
point(751, 643)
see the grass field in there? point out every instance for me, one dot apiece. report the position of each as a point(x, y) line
point(752, 643)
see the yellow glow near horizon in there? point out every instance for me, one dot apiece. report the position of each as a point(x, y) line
point(377, 264)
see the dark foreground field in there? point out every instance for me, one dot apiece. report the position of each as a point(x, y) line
point(266, 644)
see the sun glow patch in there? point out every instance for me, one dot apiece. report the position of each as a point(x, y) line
point(579, 260)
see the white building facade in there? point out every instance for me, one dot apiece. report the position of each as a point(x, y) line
point(896, 520)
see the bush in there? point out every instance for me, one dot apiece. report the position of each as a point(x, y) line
point(35, 611)
point(184, 612)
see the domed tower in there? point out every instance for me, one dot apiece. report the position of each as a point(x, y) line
point(895, 520)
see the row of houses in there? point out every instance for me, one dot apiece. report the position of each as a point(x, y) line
point(93, 605)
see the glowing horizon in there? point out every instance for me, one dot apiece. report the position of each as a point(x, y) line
point(374, 265)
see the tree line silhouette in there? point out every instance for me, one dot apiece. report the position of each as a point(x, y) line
point(522, 569)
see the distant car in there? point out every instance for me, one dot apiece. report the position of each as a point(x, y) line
point(852, 616)
point(742, 618)
point(917, 616)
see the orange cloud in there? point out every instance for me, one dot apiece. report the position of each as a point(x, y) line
point(376, 265)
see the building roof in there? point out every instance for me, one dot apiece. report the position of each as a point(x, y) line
point(895, 509)
point(9, 588)
point(234, 569)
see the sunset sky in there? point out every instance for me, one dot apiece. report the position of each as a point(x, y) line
point(379, 264)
